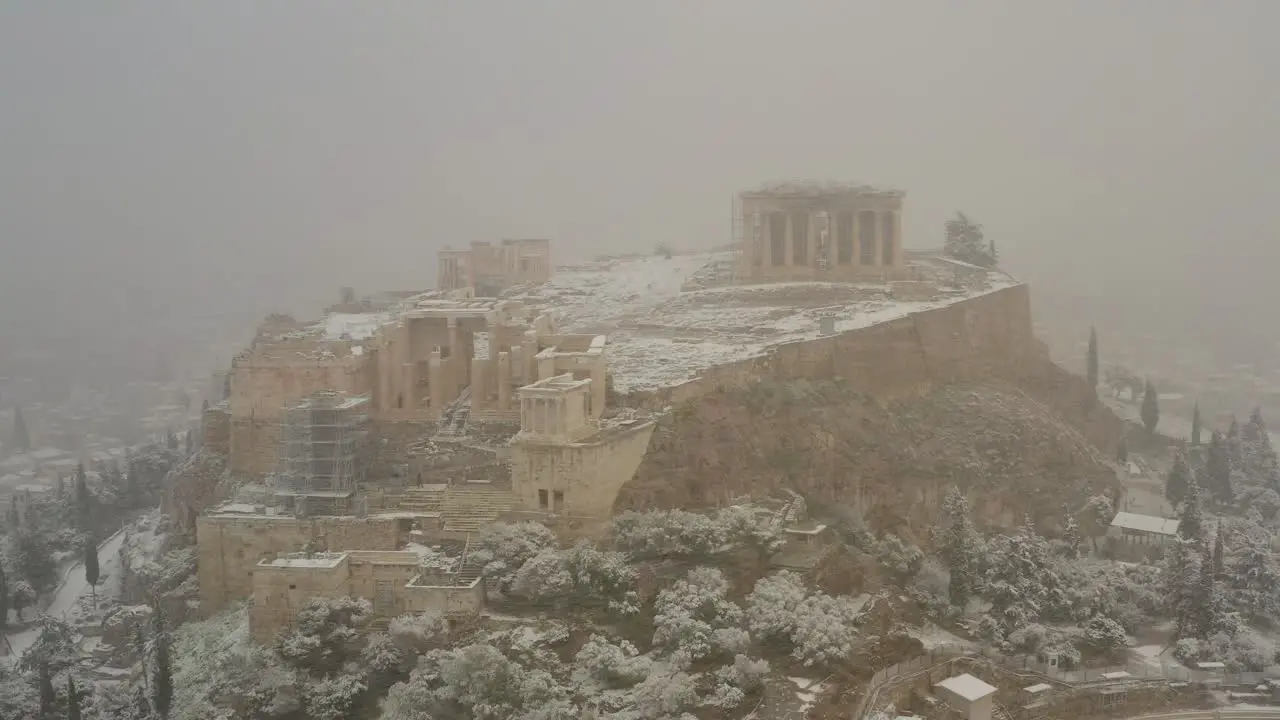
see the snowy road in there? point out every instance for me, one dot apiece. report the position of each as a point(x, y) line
point(69, 592)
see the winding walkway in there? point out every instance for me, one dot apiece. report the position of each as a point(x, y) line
point(69, 592)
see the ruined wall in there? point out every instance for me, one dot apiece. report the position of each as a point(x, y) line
point(229, 547)
point(216, 429)
point(985, 336)
point(279, 592)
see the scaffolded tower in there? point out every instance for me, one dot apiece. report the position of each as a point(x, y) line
point(321, 449)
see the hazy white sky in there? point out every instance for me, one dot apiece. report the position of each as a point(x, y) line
point(163, 158)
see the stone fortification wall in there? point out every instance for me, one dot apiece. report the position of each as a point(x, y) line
point(231, 546)
point(216, 429)
point(985, 336)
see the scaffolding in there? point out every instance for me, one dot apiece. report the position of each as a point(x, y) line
point(321, 448)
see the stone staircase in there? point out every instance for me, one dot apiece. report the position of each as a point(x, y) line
point(453, 423)
point(423, 498)
point(470, 509)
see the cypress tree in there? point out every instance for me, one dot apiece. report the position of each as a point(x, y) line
point(1217, 468)
point(21, 436)
point(1180, 478)
point(1150, 408)
point(73, 700)
point(162, 688)
point(1195, 424)
point(82, 497)
point(91, 566)
point(4, 600)
point(1217, 551)
point(47, 696)
point(1191, 520)
point(1093, 357)
point(1122, 454)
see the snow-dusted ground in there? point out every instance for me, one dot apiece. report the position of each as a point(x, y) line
point(661, 337)
point(72, 588)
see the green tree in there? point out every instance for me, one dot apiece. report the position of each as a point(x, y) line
point(1122, 453)
point(1181, 476)
point(33, 559)
point(91, 566)
point(4, 600)
point(1150, 408)
point(964, 241)
point(1096, 517)
point(961, 548)
point(1093, 358)
point(162, 684)
point(73, 700)
point(1217, 468)
point(47, 695)
point(1218, 550)
point(21, 436)
point(84, 512)
point(1195, 424)
point(1190, 518)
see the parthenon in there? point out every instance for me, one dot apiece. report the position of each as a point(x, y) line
point(820, 231)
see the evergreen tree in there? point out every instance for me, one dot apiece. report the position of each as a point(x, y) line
point(73, 700)
point(1218, 552)
point(171, 440)
point(1195, 424)
point(960, 548)
point(162, 685)
point(964, 241)
point(1259, 457)
point(1093, 358)
point(83, 511)
point(1235, 446)
point(1180, 478)
point(1022, 582)
point(1071, 539)
point(1096, 517)
point(21, 436)
point(1191, 519)
point(91, 566)
point(4, 600)
point(33, 559)
point(1217, 468)
point(1150, 408)
point(1122, 453)
point(1180, 579)
point(47, 695)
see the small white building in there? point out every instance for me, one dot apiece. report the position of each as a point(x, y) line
point(1137, 529)
point(968, 696)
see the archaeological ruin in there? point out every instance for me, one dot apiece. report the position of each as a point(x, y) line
point(515, 393)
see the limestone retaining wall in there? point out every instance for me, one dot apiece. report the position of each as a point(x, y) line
point(969, 339)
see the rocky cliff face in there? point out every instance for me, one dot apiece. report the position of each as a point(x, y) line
point(1016, 446)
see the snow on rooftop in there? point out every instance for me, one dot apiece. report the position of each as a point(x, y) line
point(967, 686)
point(661, 337)
point(318, 560)
point(1145, 523)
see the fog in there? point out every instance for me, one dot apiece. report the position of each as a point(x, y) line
point(169, 171)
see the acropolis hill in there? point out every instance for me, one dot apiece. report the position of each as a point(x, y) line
point(520, 390)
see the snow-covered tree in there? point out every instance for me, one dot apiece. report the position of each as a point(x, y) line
point(1071, 539)
point(1259, 457)
point(668, 692)
point(32, 557)
point(334, 697)
point(1096, 516)
point(581, 575)
point(326, 634)
point(743, 527)
point(1218, 467)
point(1022, 582)
point(688, 614)
point(603, 665)
point(1254, 574)
point(1180, 478)
point(1105, 635)
point(667, 533)
point(734, 682)
point(825, 629)
point(417, 633)
point(960, 547)
point(507, 547)
point(901, 559)
point(55, 647)
point(1190, 517)
point(964, 241)
point(772, 605)
point(21, 597)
